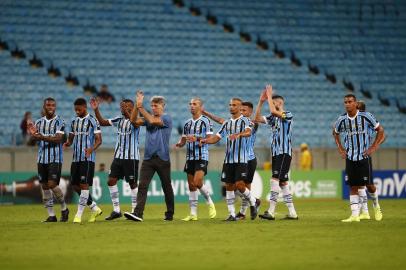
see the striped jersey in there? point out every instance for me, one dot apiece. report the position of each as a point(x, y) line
point(281, 133)
point(199, 128)
point(251, 141)
point(357, 133)
point(236, 150)
point(127, 138)
point(84, 130)
point(50, 152)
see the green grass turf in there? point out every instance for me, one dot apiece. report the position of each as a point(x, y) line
point(317, 241)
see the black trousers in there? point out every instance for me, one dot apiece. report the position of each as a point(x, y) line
point(148, 169)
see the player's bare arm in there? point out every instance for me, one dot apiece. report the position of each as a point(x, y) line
point(97, 143)
point(213, 117)
point(340, 147)
point(57, 138)
point(210, 140)
point(94, 103)
point(380, 137)
point(272, 108)
point(69, 141)
point(134, 119)
point(181, 142)
point(153, 120)
point(258, 117)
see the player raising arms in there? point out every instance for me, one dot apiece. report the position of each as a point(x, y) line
point(197, 157)
point(237, 130)
point(85, 135)
point(281, 136)
point(358, 148)
point(49, 131)
point(246, 110)
point(126, 153)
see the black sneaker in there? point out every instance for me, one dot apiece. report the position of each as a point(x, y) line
point(289, 217)
point(168, 217)
point(267, 215)
point(257, 204)
point(64, 215)
point(51, 219)
point(230, 218)
point(253, 212)
point(240, 216)
point(114, 215)
point(133, 216)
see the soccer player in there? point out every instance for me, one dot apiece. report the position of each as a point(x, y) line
point(280, 122)
point(246, 110)
point(357, 150)
point(85, 135)
point(156, 155)
point(235, 168)
point(126, 153)
point(49, 131)
point(370, 186)
point(197, 157)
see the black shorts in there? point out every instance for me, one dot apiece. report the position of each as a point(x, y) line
point(51, 171)
point(281, 167)
point(252, 166)
point(82, 172)
point(124, 169)
point(192, 166)
point(358, 173)
point(233, 172)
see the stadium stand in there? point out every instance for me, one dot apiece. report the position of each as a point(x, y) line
point(163, 49)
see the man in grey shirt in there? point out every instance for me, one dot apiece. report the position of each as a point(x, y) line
point(156, 157)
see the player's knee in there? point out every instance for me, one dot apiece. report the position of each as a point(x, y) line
point(371, 188)
point(240, 186)
point(133, 185)
point(52, 184)
point(112, 181)
point(283, 183)
point(230, 187)
point(45, 186)
point(192, 187)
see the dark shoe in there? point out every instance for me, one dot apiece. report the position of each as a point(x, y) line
point(289, 217)
point(51, 219)
point(253, 212)
point(133, 216)
point(114, 215)
point(257, 204)
point(168, 217)
point(64, 215)
point(240, 216)
point(230, 218)
point(267, 215)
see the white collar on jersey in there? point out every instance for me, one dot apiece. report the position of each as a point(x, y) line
point(87, 115)
point(197, 118)
point(237, 118)
point(352, 118)
point(46, 119)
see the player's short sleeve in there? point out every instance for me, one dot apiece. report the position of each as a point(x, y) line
point(371, 120)
point(72, 126)
point(37, 124)
point(209, 126)
point(60, 126)
point(339, 125)
point(247, 123)
point(96, 125)
point(287, 116)
point(222, 131)
point(114, 121)
point(166, 120)
point(184, 130)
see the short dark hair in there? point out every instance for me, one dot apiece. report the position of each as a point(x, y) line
point(127, 100)
point(361, 106)
point(248, 104)
point(351, 96)
point(237, 99)
point(278, 96)
point(80, 101)
point(49, 99)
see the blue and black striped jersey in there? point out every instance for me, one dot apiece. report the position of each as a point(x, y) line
point(84, 130)
point(236, 150)
point(199, 128)
point(49, 152)
point(357, 133)
point(281, 133)
point(127, 144)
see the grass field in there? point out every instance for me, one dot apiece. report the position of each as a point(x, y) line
point(317, 241)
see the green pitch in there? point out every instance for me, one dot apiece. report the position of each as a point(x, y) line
point(317, 241)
